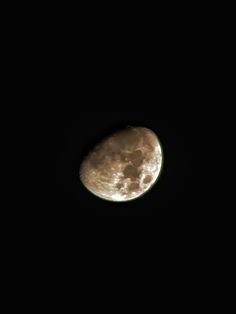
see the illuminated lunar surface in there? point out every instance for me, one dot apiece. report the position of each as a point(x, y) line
point(123, 166)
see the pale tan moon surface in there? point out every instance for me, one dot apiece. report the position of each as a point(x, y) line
point(124, 165)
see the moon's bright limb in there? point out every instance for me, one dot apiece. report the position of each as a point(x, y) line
point(123, 166)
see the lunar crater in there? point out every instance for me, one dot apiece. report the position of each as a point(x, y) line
point(147, 179)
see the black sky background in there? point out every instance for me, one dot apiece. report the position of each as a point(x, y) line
point(167, 94)
point(86, 92)
point(79, 81)
point(76, 79)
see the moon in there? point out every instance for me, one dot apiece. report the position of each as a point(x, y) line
point(123, 166)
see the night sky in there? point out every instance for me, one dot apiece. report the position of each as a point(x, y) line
point(166, 94)
point(81, 81)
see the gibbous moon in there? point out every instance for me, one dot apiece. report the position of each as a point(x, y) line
point(124, 165)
